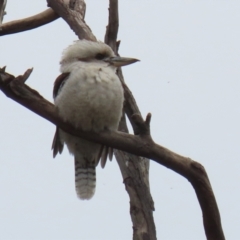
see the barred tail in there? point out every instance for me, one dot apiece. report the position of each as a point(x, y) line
point(85, 181)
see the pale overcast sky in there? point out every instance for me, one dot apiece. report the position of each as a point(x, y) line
point(188, 78)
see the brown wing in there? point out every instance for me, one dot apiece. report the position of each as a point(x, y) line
point(106, 152)
point(59, 82)
point(104, 156)
point(103, 153)
point(57, 145)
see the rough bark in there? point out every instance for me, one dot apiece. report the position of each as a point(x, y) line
point(134, 169)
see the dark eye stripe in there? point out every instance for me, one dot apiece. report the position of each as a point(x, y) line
point(100, 56)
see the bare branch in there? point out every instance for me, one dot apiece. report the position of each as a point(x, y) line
point(29, 23)
point(113, 23)
point(73, 13)
point(135, 172)
point(141, 145)
point(131, 107)
point(134, 169)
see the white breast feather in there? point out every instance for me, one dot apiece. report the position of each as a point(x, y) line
point(92, 99)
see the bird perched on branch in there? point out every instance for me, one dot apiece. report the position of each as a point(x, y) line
point(89, 95)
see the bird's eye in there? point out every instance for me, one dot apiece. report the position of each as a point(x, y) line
point(100, 56)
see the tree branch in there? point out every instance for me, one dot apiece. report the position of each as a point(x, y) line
point(29, 23)
point(112, 27)
point(134, 169)
point(141, 145)
point(73, 12)
point(3, 4)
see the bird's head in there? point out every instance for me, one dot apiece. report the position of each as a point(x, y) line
point(98, 52)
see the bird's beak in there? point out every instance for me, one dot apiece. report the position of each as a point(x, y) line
point(120, 61)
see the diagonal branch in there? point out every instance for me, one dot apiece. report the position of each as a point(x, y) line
point(73, 12)
point(141, 145)
point(29, 23)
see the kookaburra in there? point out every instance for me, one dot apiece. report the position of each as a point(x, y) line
point(89, 95)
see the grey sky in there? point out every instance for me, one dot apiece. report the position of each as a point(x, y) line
point(188, 78)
